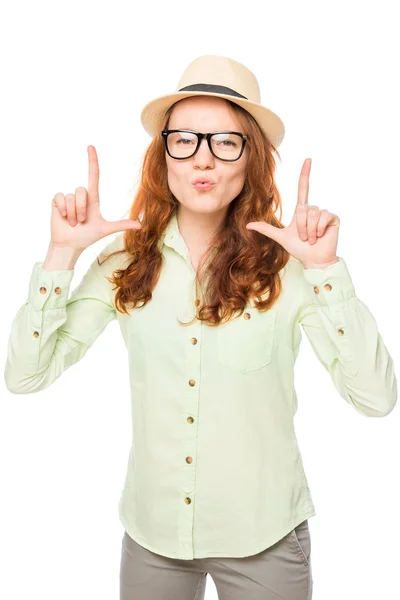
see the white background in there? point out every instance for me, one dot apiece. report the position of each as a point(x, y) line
point(79, 74)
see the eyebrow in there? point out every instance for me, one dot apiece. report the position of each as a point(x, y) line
point(196, 131)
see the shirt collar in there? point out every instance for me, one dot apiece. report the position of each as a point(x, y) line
point(172, 237)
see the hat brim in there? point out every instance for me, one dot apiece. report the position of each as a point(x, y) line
point(273, 127)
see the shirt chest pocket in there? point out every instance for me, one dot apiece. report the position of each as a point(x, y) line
point(246, 343)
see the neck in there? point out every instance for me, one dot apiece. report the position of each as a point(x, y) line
point(197, 228)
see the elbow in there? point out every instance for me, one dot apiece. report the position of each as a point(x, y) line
point(14, 377)
point(387, 409)
point(372, 401)
point(391, 398)
point(15, 386)
point(374, 407)
point(11, 383)
point(389, 393)
point(25, 384)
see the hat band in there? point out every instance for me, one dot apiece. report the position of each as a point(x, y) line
point(209, 87)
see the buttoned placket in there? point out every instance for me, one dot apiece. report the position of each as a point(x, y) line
point(190, 402)
point(190, 437)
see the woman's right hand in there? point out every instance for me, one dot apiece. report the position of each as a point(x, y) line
point(76, 221)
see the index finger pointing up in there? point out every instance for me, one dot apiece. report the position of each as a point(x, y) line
point(94, 172)
point(304, 183)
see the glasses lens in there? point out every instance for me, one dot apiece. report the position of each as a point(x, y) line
point(181, 144)
point(226, 145)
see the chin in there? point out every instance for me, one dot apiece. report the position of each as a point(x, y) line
point(204, 205)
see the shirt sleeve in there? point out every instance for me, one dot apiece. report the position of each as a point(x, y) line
point(344, 336)
point(50, 331)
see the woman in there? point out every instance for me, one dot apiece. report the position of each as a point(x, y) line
point(209, 289)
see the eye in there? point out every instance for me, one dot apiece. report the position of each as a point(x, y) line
point(183, 138)
point(185, 141)
point(227, 143)
point(226, 139)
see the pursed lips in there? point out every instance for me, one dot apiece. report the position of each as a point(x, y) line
point(205, 186)
point(202, 180)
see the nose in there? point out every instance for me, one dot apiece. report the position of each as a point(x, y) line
point(203, 157)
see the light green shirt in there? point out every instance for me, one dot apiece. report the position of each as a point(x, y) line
point(214, 468)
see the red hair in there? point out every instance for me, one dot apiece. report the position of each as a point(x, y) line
point(239, 263)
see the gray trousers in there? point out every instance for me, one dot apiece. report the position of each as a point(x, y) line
point(281, 572)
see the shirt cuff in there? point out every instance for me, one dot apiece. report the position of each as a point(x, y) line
point(49, 289)
point(331, 285)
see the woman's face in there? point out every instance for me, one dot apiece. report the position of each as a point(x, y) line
point(204, 114)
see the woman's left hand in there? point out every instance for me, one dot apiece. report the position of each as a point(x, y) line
point(312, 235)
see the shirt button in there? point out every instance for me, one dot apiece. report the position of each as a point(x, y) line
point(192, 382)
point(247, 315)
point(189, 459)
point(197, 302)
point(194, 341)
point(328, 287)
point(57, 290)
point(43, 290)
point(316, 289)
point(36, 334)
point(190, 419)
point(187, 500)
point(340, 331)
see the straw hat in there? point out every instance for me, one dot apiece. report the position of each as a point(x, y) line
point(220, 76)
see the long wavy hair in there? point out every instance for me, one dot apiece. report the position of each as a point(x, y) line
point(239, 264)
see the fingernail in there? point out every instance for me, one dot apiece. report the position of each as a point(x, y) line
point(72, 222)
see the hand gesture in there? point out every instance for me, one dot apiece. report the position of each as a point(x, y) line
point(312, 235)
point(76, 221)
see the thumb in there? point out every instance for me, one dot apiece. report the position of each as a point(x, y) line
point(122, 225)
point(266, 229)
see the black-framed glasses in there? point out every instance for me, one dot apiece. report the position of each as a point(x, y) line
point(224, 145)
